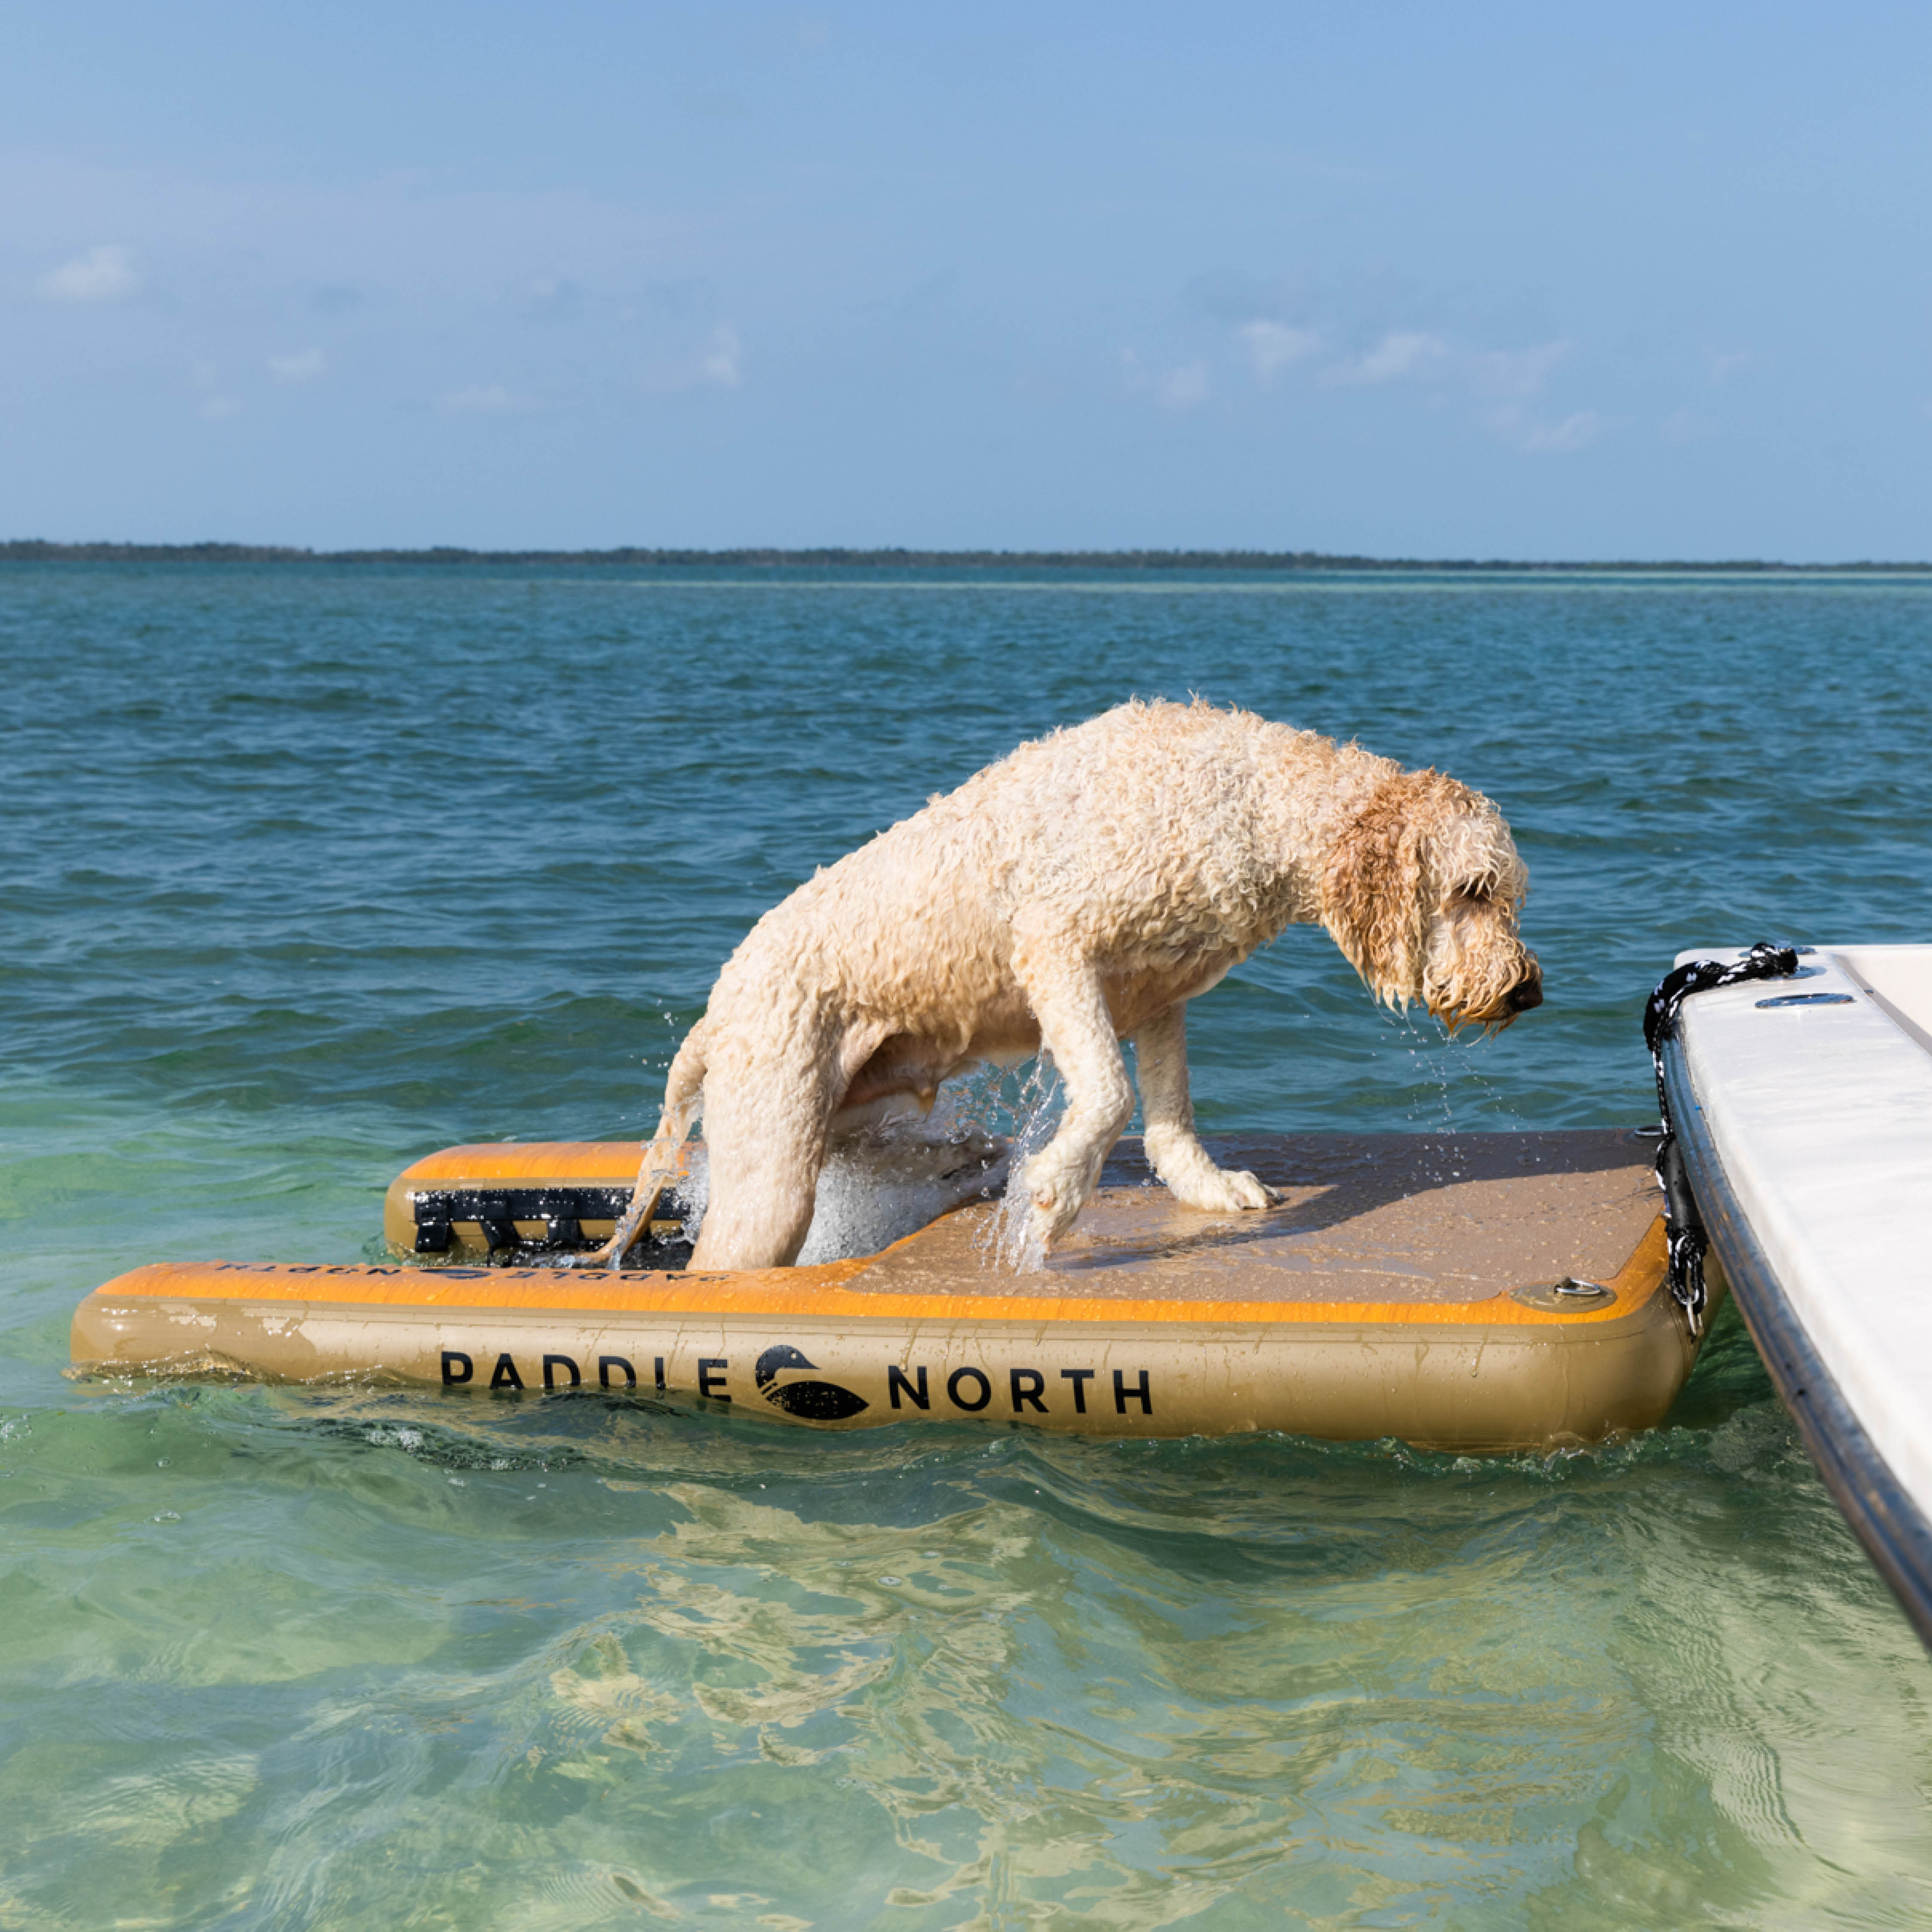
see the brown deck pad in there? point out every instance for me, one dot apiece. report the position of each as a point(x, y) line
point(1381, 1218)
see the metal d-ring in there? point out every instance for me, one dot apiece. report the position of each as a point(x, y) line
point(1568, 1292)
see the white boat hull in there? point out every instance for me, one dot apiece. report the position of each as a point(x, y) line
point(1803, 1108)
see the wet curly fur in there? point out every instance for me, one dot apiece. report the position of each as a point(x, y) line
point(1078, 892)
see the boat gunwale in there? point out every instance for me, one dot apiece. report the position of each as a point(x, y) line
point(1889, 1525)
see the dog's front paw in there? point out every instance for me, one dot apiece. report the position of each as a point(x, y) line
point(1053, 1185)
point(1226, 1190)
point(1054, 1212)
point(1252, 1191)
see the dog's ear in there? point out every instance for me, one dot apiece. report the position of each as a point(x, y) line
point(1371, 887)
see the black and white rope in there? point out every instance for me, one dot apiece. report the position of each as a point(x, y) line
point(1683, 1225)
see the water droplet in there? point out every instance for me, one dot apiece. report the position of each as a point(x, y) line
point(166, 1515)
point(162, 1463)
point(891, 1583)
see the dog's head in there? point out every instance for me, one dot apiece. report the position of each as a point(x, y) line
point(1421, 891)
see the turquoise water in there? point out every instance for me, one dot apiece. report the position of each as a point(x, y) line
point(309, 870)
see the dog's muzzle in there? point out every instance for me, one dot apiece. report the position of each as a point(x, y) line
point(1525, 994)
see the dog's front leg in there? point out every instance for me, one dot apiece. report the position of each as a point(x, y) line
point(1173, 1147)
point(1067, 999)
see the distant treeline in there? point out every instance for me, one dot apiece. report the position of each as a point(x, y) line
point(34, 550)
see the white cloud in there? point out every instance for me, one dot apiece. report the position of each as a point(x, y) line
point(1273, 345)
point(1540, 436)
point(214, 406)
point(720, 362)
point(1726, 364)
point(1180, 388)
point(1183, 387)
point(487, 399)
point(1401, 353)
point(550, 298)
point(1572, 432)
point(1509, 380)
point(102, 275)
point(304, 367)
point(1515, 375)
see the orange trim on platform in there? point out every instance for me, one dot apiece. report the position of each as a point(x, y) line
point(821, 1291)
point(529, 1160)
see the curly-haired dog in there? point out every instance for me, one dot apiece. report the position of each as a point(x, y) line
point(1079, 893)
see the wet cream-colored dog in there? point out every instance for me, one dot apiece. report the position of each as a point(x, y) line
point(1078, 893)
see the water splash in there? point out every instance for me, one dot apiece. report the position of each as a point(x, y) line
point(1008, 1241)
point(1426, 1053)
point(1447, 1063)
point(877, 1186)
point(895, 1179)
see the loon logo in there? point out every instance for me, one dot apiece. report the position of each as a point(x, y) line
point(816, 1402)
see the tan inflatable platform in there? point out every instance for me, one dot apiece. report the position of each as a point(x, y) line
point(1492, 1292)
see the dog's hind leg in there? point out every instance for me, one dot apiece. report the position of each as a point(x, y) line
point(766, 1117)
point(664, 1156)
point(1068, 1001)
point(1173, 1147)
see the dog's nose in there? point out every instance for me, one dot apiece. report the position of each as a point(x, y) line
point(1526, 994)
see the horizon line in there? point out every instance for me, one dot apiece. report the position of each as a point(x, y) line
point(35, 549)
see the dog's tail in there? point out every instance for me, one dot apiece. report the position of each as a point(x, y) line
point(664, 1156)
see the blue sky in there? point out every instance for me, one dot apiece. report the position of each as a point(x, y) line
point(1406, 280)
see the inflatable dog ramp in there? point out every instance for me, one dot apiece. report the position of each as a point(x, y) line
point(1492, 1292)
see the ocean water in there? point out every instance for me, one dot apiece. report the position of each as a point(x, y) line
point(310, 869)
